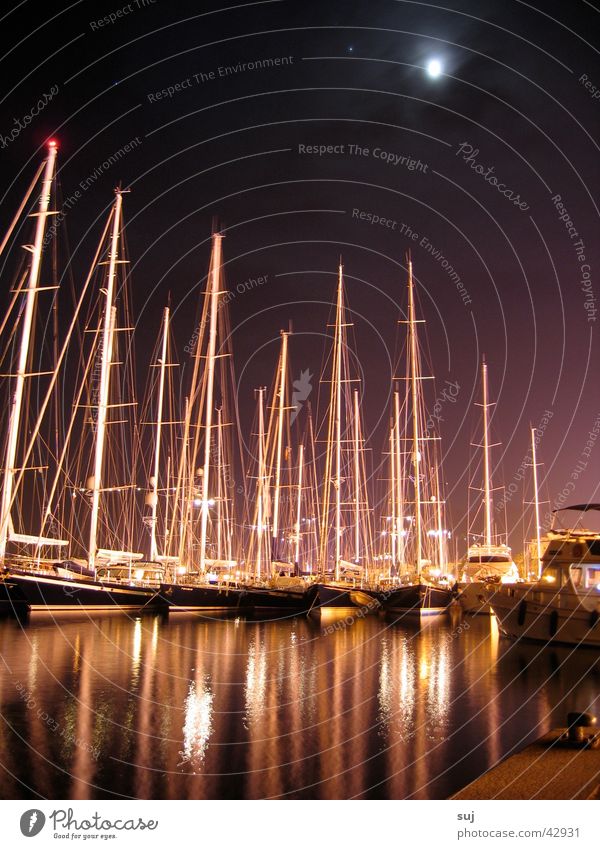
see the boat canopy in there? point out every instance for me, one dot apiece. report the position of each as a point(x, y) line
point(37, 541)
point(583, 508)
point(106, 556)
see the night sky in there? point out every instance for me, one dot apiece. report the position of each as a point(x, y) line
point(294, 125)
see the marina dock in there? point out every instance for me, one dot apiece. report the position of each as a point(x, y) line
point(546, 769)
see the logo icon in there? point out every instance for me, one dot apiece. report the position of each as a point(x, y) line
point(302, 389)
point(32, 822)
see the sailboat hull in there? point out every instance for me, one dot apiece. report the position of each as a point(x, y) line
point(265, 599)
point(334, 595)
point(12, 600)
point(48, 593)
point(418, 600)
point(181, 597)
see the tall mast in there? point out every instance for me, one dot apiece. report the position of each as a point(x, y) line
point(394, 541)
point(399, 516)
point(536, 501)
point(414, 378)
point(219, 481)
point(159, 419)
point(315, 478)
point(105, 364)
point(356, 480)
point(299, 503)
point(338, 423)
point(184, 506)
point(440, 526)
point(168, 500)
point(210, 381)
point(281, 408)
point(487, 506)
point(32, 289)
point(261, 480)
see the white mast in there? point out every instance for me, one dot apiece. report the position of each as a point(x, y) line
point(184, 505)
point(487, 506)
point(392, 531)
point(440, 527)
point(168, 500)
point(356, 481)
point(261, 481)
point(278, 451)
point(414, 378)
point(338, 423)
point(219, 482)
point(536, 501)
point(299, 503)
point(159, 419)
point(210, 379)
point(105, 364)
point(399, 517)
point(16, 408)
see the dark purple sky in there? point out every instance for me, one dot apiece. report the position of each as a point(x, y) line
point(511, 124)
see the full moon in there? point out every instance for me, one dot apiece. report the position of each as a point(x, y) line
point(434, 68)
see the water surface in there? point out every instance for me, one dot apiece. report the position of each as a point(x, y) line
point(192, 708)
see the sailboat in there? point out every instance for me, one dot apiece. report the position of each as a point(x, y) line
point(200, 577)
point(424, 590)
point(162, 410)
point(275, 584)
point(345, 561)
point(49, 583)
point(486, 560)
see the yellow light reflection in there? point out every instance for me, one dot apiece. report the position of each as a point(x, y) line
point(197, 726)
point(385, 689)
point(136, 652)
point(256, 682)
point(154, 636)
point(494, 639)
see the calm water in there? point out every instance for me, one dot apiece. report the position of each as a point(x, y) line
point(193, 708)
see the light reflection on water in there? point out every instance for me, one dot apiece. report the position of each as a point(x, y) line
point(197, 726)
point(196, 708)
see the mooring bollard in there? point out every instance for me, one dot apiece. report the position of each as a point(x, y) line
point(576, 725)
